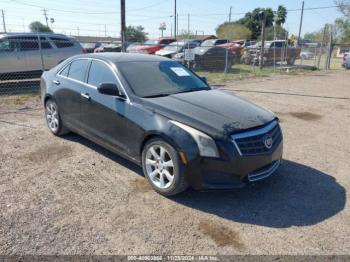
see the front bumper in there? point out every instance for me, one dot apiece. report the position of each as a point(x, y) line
point(233, 169)
point(210, 173)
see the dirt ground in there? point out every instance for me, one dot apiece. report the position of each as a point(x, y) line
point(70, 196)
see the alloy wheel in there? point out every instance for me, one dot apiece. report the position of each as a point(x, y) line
point(159, 166)
point(52, 117)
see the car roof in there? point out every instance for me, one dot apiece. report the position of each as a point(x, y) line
point(34, 34)
point(115, 57)
point(165, 38)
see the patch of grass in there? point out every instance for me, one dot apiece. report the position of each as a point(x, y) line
point(17, 99)
point(240, 72)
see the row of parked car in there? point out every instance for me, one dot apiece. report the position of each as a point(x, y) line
point(214, 53)
point(210, 54)
point(20, 56)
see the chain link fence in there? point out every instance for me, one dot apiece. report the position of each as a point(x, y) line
point(24, 57)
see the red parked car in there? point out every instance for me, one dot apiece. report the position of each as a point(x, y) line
point(232, 46)
point(151, 46)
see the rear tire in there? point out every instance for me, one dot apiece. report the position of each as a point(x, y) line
point(162, 168)
point(53, 119)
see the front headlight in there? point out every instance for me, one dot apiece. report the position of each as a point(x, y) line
point(205, 143)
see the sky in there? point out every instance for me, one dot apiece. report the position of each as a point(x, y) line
point(102, 17)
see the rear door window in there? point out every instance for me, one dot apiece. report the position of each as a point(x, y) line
point(100, 73)
point(77, 69)
point(28, 43)
point(62, 42)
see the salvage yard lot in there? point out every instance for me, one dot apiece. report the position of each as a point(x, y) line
point(70, 196)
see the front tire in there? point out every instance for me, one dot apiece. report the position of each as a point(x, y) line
point(162, 168)
point(53, 119)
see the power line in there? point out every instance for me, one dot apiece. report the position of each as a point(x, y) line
point(155, 4)
point(86, 11)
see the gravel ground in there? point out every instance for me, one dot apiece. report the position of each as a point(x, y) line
point(70, 196)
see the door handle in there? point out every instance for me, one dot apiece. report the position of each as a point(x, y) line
point(56, 82)
point(86, 96)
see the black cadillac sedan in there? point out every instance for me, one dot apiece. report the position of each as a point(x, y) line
point(162, 116)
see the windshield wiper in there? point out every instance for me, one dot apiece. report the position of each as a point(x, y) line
point(191, 90)
point(157, 95)
point(179, 92)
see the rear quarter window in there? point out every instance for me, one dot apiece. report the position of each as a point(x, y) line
point(65, 71)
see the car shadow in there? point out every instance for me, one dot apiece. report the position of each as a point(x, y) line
point(105, 152)
point(296, 195)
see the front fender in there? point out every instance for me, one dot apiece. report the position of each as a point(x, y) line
point(175, 136)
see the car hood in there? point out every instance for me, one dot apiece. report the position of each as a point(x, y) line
point(163, 52)
point(214, 112)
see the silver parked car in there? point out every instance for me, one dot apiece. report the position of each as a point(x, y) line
point(20, 52)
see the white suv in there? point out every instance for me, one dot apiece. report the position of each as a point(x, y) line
point(20, 52)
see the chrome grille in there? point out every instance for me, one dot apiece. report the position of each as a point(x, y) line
point(252, 142)
point(265, 172)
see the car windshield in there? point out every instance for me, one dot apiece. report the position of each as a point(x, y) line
point(151, 42)
point(209, 42)
point(174, 46)
point(152, 79)
point(88, 45)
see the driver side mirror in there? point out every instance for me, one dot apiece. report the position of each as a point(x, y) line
point(204, 79)
point(109, 89)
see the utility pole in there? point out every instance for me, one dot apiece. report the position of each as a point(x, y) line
point(321, 48)
point(105, 30)
point(229, 16)
point(122, 22)
point(261, 61)
point(177, 24)
point(329, 48)
point(46, 17)
point(188, 24)
point(3, 20)
point(301, 22)
point(175, 20)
